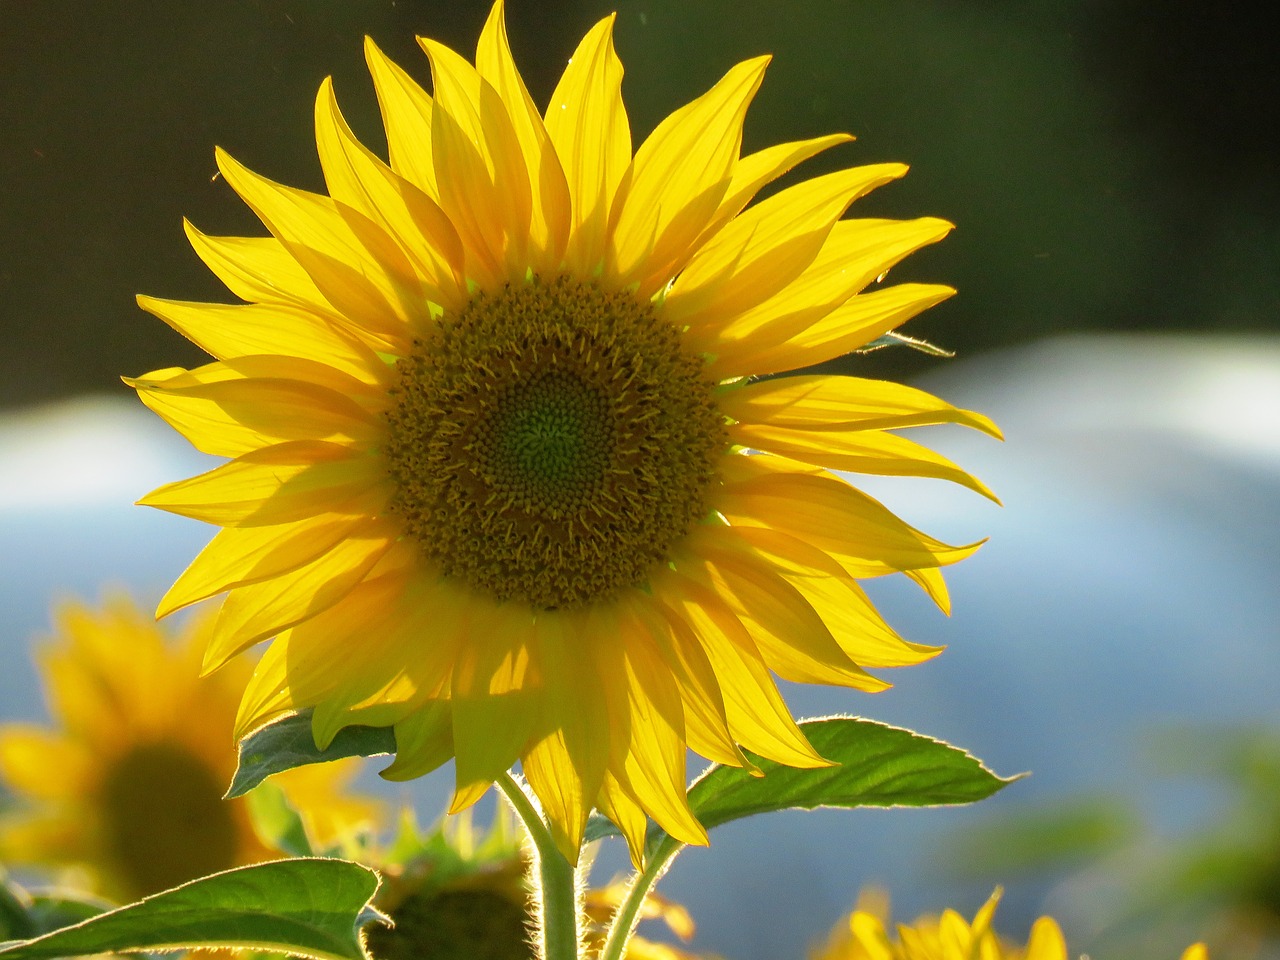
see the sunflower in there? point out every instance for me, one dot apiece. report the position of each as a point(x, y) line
point(863, 936)
point(505, 471)
point(128, 787)
point(458, 892)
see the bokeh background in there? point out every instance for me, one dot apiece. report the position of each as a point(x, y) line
point(1114, 171)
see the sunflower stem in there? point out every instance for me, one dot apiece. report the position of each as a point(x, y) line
point(624, 921)
point(555, 883)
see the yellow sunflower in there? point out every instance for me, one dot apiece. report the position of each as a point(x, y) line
point(863, 935)
point(491, 412)
point(127, 788)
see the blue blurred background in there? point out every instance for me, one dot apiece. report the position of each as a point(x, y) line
point(1113, 170)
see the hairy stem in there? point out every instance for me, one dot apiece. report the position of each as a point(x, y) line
point(555, 885)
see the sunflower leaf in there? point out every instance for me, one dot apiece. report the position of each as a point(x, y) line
point(288, 742)
point(877, 766)
point(307, 907)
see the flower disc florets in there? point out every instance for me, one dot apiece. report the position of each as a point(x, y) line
point(551, 442)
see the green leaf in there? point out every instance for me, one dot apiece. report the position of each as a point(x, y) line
point(275, 821)
point(54, 909)
point(877, 766)
point(307, 907)
point(288, 743)
point(15, 906)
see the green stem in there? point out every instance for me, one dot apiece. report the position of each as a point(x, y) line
point(556, 885)
point(628, 915)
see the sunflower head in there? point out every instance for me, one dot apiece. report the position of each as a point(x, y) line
point(865, 935)
point(459, 892)
point(508, 468)
point(126, 786)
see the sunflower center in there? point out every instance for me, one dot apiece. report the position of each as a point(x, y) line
point(454, 925)
point(164, 818)
point(551, 442)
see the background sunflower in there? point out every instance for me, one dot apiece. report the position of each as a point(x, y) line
point(125, 789)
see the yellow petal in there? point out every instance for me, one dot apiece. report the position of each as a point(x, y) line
point(752, 172)
point(549, 230)
point(840, 403)
point(654, 769)
point(494, 691)
point(794, 639)
point(260, 270)
point(424, 741)
point(359, 180)
point(758, 717)
point(677, 180)
point(484, 184)
point(620, 807)
point(856, 450)
point(260, 610)
point(866, 537)
point(280, 484)
point(227, 417)
point(856, 323)
point(764, 249)
point(706, 724)
point(241, 555)
point(855, 253)
point(1046, 943)
point(587, 123)
point(566, 767)
point(371, 296)
point(233, 331)
point(406, 117)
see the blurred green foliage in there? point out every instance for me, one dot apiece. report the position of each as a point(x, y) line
point(1107, 168)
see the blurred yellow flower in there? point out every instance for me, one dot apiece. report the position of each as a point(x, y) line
point(127, 785)
point(488, 410)
point(864, 935)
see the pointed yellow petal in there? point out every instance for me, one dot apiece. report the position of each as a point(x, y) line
point(856, 323)
point(259, 270)
point(424, 741)
point(858, 451)
point(677, 181)
point(795, 640)
point(866, 537)
point(495, 689)
point(260, 610)
point(655, 765)
point(566, 767)
point(821, 403)
point(280, 484)
point(855, 253)
point(227, 417)
point(587, 123)
point(549, 230)
point(706, 724)
point(758, 717)
point(361, 181)
point(232, 331)
point(484, 184)
point(371, 296)
point(752, 172)
point(406, 116)
point(620, 807)
point(764, 249)
point(241, 555)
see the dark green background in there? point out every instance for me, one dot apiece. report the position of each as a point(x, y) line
point(1111, 165)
